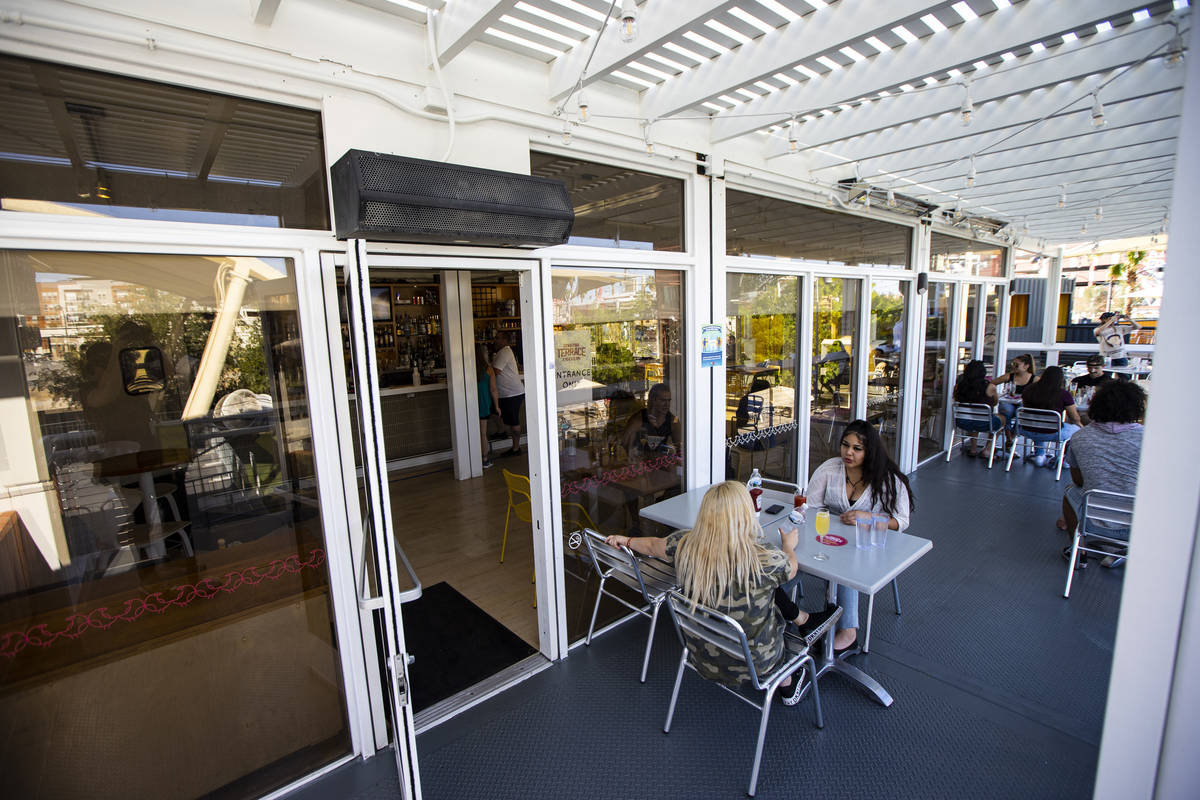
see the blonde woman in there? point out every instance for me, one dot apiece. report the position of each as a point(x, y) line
point(723, 563)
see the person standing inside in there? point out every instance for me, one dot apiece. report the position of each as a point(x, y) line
point(485, 382)
point(510, 387)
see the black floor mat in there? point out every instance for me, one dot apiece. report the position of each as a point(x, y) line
point(455, 644)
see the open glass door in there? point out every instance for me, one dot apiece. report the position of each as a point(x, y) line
point(379, 544)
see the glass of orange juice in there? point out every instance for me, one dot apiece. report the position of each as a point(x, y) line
point(822, 524)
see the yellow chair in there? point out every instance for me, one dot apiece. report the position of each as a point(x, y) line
point(521, 504)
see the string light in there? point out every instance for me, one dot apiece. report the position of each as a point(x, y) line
point(891, 198)
point(647, 137)
point(566, 132)
point(968, 107)
point(1099, 213)
point(1174, 56)
point(583, 108)
point(628, 22)
point(866, 201)
point(1083, 228)
point(793, 144)
point(1062, 198)
point(971, 173)
point(1097, 111)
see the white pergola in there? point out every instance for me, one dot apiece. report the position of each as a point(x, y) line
point(1057, 119)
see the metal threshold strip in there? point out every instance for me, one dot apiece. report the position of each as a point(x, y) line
point(484, 690)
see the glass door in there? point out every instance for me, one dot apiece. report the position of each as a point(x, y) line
point(935, 388)
point(885, 370)
point(379, 545)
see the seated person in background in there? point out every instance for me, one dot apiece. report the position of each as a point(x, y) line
point(1110, 335)
point(654, 429)
point(743, 409)
point(1105, 454)
point(1020, 374)
point(1050, 392)
point(863, 480)
point(1094, 375)
point(724, 564)
point(974, 387)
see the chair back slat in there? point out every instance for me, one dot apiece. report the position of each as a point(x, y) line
point(702, 626)
point(973, 413)
point(1038, 421)
point(619, 562)
point(1115, 509)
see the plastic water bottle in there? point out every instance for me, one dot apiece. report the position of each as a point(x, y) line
point(754, 485)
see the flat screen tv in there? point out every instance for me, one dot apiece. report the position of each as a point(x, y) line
point(381, 304)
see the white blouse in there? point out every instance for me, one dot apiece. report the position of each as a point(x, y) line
point(827, 489)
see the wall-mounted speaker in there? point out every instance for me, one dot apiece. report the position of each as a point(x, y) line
point(389, 198)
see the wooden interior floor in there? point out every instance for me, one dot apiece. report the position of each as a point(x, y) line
point(451, 531)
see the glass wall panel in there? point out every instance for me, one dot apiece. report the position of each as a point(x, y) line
point(764, 226)
point(834, 349)
point(619, 372)
point(934, 388)
point(83, 142)
point(617, 206)
point(966, 333)
point(760, 392)
point(165, 616)
point(991, 325)
point(885, 370)
point(955, 256)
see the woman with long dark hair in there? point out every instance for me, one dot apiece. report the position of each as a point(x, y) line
point(1050, 392)
point(973, 386)
point(1021, 373)
point(863, 480)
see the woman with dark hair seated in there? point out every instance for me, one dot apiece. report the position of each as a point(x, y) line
point(1105, 454)
point(863, 480)
point(1049, 392)
point(973, 386)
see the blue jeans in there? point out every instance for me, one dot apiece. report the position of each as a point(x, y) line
point(1068, 430)
point(847, 598)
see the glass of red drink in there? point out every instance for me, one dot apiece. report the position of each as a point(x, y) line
point(799, 499)
point(756, 493)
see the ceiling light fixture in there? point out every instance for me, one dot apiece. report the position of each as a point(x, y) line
point(1099, 213)
point(628, 21)
point(1174, 56)
point(971, 173)
point(891, 198)
point(647, 137)
point(968, 107)
point(1062, 197)
point(1097, 110)
point(793, 144)
point(566, 132)
point(583, 108)
point(1083, 227)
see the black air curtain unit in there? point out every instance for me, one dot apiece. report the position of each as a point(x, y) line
point(389, 198)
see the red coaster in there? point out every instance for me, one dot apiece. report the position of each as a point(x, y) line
point(831, 539)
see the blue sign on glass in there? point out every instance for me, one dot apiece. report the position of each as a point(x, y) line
point(712, 345)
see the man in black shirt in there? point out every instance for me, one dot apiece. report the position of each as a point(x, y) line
point(1095, 374)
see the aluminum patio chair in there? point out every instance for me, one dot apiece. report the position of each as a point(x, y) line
point(703, 628)
point(651, 578)
point(1115, 511)
point(1038, 426)
point(970, 420)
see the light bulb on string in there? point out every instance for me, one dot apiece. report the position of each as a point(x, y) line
point(793, 144)
point(1099, 213)
point(583, 108)
point(627, 24)
point(891, 198)
point(971, 173)
point(1062, 197)
point(1083, 228)
point(967, 108)
point(566, 132)
point(647, 137)
point(1174, 56)
point(867, 199)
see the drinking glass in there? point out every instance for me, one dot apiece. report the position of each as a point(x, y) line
point(879, 529)
point(822, 522)
point(863, 524)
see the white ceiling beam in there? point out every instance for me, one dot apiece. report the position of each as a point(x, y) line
point(999, 32)
point(1020, 164)
point(836, 26)
point(264, 12)
point(945, 139)
point(658, 22)
point(464, 21)
point(1043, 74)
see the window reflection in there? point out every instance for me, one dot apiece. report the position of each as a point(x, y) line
point(162, 543)
point(966, 334)
point(956, 256)
point(933, 374)
point(621, 406)
point(834, 350)
point(760, 393)
point(886, 366)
